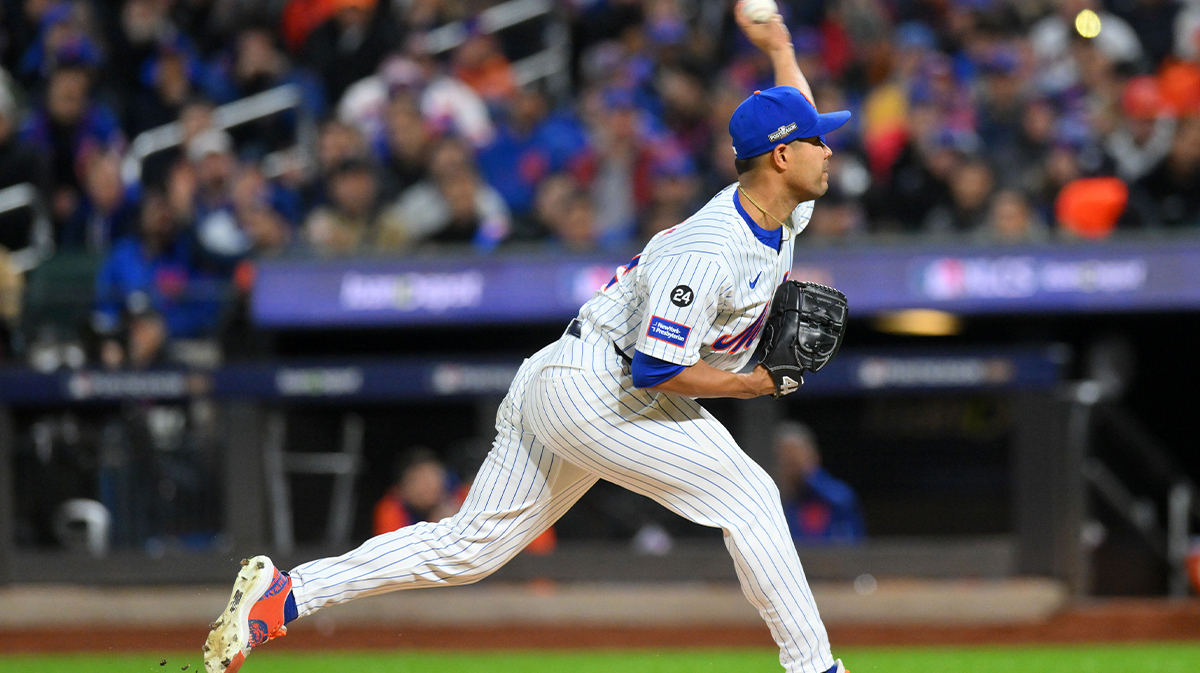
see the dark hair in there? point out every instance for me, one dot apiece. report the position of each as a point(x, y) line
point(745, 165)
point(417, 455)
point(750, 163)
point(352, 164)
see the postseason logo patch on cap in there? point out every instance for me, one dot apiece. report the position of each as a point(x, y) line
point(775, 116)
point(782, 132)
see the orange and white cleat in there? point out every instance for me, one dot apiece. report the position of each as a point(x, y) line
point(838, 667)
point(254, 615)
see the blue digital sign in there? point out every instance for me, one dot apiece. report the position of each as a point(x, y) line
point(1064, 278)
point(399, 379)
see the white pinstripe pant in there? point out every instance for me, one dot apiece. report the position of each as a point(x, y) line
point(571, 417)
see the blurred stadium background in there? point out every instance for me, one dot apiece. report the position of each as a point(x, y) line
point(267, 268)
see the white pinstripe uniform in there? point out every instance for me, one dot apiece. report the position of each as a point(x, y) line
point(572, 415)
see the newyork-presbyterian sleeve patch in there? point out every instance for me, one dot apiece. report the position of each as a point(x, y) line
point(670, 332)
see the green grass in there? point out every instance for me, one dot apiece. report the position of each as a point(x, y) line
point(1172, 658)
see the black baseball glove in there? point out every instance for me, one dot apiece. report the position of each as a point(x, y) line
point(804, 331)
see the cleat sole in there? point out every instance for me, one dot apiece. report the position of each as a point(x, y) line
point(222, 648)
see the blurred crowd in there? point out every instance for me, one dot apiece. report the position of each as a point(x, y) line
point(994, 120)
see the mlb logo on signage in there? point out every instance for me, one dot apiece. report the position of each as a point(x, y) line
point(945, 279)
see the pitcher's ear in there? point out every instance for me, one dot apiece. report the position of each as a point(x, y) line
point(779, 158)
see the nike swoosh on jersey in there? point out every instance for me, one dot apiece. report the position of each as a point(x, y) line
point(755, 281)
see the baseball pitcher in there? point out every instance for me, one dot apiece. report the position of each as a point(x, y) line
point(615, 398)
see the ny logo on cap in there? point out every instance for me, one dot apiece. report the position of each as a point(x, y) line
point(782, 132)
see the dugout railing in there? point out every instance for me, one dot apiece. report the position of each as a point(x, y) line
point(1147, 481)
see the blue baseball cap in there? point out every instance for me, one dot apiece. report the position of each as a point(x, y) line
point(778, 116)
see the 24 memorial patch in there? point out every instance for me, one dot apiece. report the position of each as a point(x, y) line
point(682, 296)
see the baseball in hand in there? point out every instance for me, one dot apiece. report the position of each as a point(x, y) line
point(759, 11)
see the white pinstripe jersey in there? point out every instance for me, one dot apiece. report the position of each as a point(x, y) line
point(700, 290)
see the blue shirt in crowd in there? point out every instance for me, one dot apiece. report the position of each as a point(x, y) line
point(826, 512)
point(189, 303)
point(515, 165)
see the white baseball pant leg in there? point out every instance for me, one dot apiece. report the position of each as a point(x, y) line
point(521, 489)
point(583, 407)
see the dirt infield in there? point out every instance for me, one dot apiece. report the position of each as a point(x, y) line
point(1106, 621)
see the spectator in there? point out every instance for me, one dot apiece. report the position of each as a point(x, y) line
point(1021, 165)
point(153, 271)
point(405, 147)
point(1010, 219)
point(675, 188)
point(350, 221)
point(211, 167)
point(254, 64)
point(1056, 67)
point(1153, 21)
point(20, 162)
point(530, 145)
point(348, 46)
point(210, 23)
point(918, 181)
point(565, 215)
point(481, 65)
point(624, 152)
point(266, 211)
point(109, 210)
point(717, 162)
point(18, 30)
point(12, 286)
point(1000, 97)
point(168, 79)
point(971, 186)
point(336, 142)
point(686, 110)
point(453, 107)
point(1179, 86)
point(836, 217)
point(1173, 186)
point(65, 35)
point(423, 491)
point(1187, 32)
point(550, 203)
point(195, 117)
point(576, 230)
point(145, 341)
point(300, 17)
point(68, 127)
point(134, 39)
point(235, 211)
point(818, 507)
point(449, 106)
point(453, 206)
point(1144, 135)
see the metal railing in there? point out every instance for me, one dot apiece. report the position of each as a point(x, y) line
point(1094, 412)
point(41, 243)
point(549, 64)
point(238, 112)
point(491, 20)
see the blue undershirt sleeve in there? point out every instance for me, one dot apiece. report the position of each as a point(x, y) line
point(649, 371)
